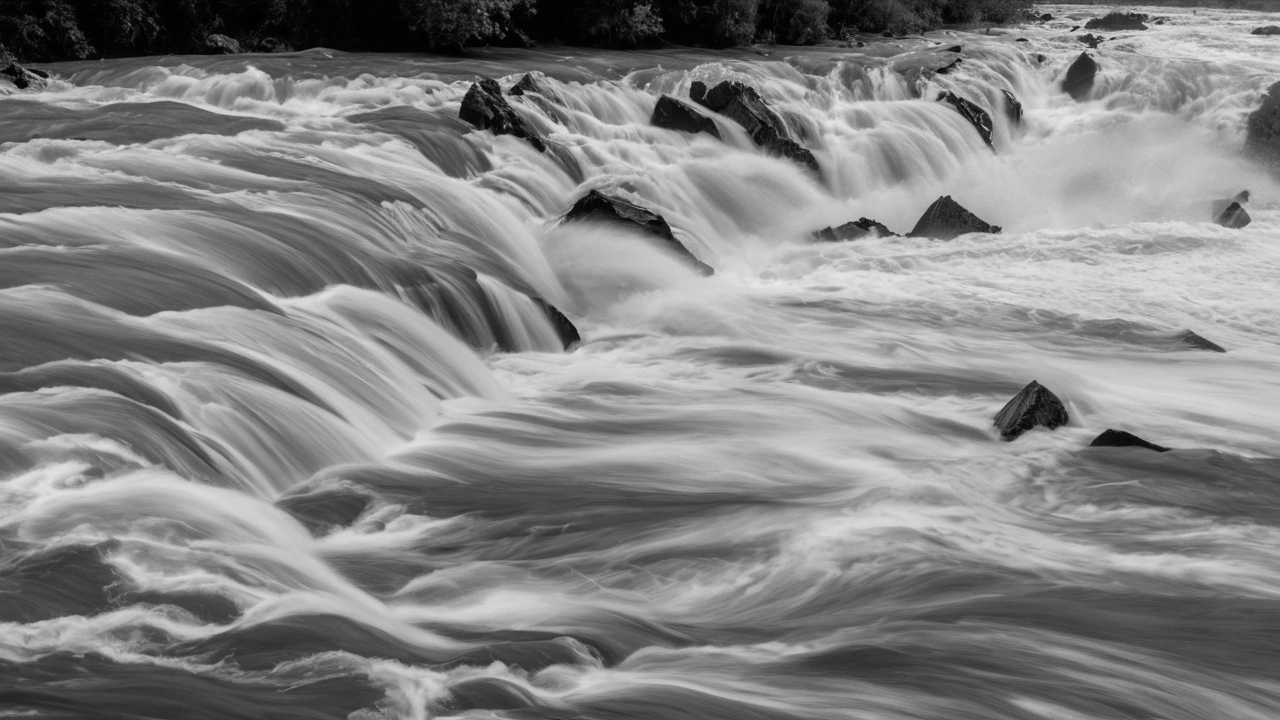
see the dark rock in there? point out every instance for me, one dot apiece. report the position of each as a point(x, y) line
point(954, 49)
point(1120, 438)
point(673, 114)
point(1191, 339)
point(322, 509)
point(1262, 131)
point(946, 69)
point(1074, 28)
point(1234, 217)
point(1046, 17)
point(1268, 30)
point(1118, 21)
point(217, 44)
point(1022, 40)
point(38, 73)
point(596, 205)
point(946, 219)
point(855, 230)
point(1080, 76)
point(565, 328)
point(1033, 405)
point(698, 92)
point(530, 84)
point(1091, 40)
point(972, 112)
point(485, 108)
point(1040, 58)
point(742, 104)
point(23, 78)
point(1012, 107)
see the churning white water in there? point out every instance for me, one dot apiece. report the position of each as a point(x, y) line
point(284, 432)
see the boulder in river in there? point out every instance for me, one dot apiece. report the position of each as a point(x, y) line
point(530, 84)
point(485, 108)
point(596, 205)
point(854, 230)
point(1118, 21)
point(743, 105)
point(1262, 131)
point(1080, 76)
point(1120, 438)
point(1266, 30)
point(1012, 108)
point(945, 219)
point(23, 78)
point(1093, 41)
point(1191, 339)
point(673, 114)
point(1033, 406)
point(217, 44)
point(565, 329)
point(971, 111)
point(1046, 17)
point(1233, 216)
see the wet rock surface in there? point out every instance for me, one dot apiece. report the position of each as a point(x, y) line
point(1034, 406)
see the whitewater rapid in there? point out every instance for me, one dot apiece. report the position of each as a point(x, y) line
point(285, 433)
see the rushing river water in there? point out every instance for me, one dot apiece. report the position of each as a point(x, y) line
point(244, 290)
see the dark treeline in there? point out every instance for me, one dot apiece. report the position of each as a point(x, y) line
point(48, 30)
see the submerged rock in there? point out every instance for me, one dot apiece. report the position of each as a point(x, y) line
point(1120, 438)
point(597, 205)
point(1233, 216)
point(743, 105)
point(1266, 30)
point(673, 114)
point(1118, 21)
point(1080, 77)
point(945, 219)
point(977, 117)
point(854, 230)
point(323, 509)
point(946, 69)
point(485, 108)
point(1012, 107)
point(1033, 406)
point(1262, 131)
point(565, 329)
point(1191, 339)
point(217, 44)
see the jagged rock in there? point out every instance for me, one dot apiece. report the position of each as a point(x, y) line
point(565, 328)
point(23, 78)
point(1012, 107)
point(1091, 40)
point(742, 104)
point(530, 84)
point(1120, 438)
point(217, 44)
point(855, 230)
point(946, 69)
point(1118, 21)
point(1191, 339)
point(1034, 405)
point(1080, 76)
point(946, 219)
point(972, 112)
point(1233, 216)
point(673, 114)
point(485, 108)
point(597, 205)
point(1040, 58)
point(1267, 30)
point(323, 509)
point(1262, 131)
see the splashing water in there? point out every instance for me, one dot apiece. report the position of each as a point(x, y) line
point(285, 432)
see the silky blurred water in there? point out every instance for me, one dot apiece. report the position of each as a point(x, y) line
point(285, 434)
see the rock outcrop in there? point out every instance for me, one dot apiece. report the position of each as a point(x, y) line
point(946, 219)
point(1118, 21)
point(1033, 406)
point(971, 111)
point(530, 84)
point(1012, 107)
point(672, 114)
point(1262, 131)
point(24, 78)
point(742, 104)
point(1266, 30)
point(598, 206)
point(854, 230)
point(1080, 77)
point(1191, 339)
point(1120, 438)
point(565, 329)
point(484, 107)
point(1233, 216)
point(216, 44)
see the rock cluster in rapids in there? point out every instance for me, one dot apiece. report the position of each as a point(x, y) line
point(23, 78)
point(742, 104)
point(1118, 21)
point(596, 205)
point(486, 108)
point(854, 230)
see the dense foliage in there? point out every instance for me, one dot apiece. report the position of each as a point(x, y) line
point(44, 30)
